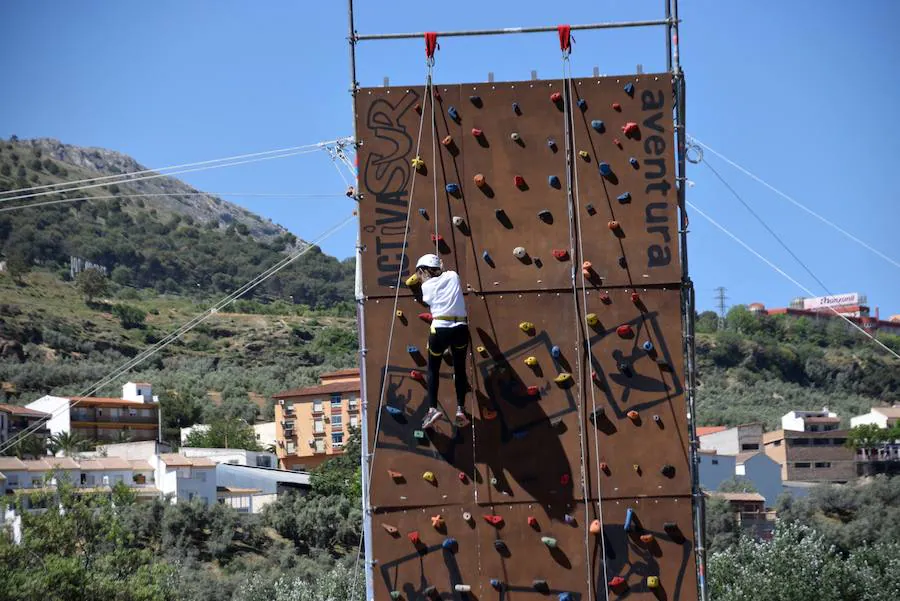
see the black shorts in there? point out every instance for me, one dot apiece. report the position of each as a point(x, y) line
point(455, 337)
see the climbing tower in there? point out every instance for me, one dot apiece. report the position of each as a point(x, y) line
point(558, 203)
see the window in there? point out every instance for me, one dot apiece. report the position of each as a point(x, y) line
point(799, 442)
point(821, 442)
point(336, 420)
point(831, 427)
point(802, 465)
point(35, 483)
point(13, 480)
point(839, 442)
point(777, 443)
point(715, 462)
point(814, 428)
point(337, 440)
point(336, 402)
point(317, 406)
point(319, 427)
point(291, 448)
point(823, 464)
point(750, 447)
point(190, 496)
point(354, 404)
point(320, 446)
point(354, 421)
point(201, 476)
point(132, 412)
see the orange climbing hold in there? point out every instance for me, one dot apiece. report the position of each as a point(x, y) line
point(616, 583)
point(426, 317)
point(595, 527)
point(437, 521)
point(392, 530)
point(414, 537)
point(587, 268)
point(417, 375)
point(479, 180)
point(493, 520)
point(555, 97)
point(395, 475)
point(633, 415)
point(647, 538)
point(613, 225)
point(447, 140)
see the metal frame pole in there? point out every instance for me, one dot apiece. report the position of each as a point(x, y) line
point(368, 562)
point(508, 30)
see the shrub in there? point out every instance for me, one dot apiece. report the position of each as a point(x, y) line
point(129, 316)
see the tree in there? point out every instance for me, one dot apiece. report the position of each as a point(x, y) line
point(28, 447)
point(340, 475)
point(737, 484)
point(866, 438)
point(227, 433)
point(92, 283)
point(68, 443)
point(18, 263)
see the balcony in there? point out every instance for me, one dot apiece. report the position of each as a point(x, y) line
point(92, 417)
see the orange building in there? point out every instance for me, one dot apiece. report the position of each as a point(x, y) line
point(312, 424)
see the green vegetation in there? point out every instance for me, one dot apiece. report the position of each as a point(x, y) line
point(224, 433)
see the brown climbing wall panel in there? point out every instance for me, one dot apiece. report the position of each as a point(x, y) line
point(559, 437)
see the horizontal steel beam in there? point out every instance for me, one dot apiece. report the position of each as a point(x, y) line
point(475, 32)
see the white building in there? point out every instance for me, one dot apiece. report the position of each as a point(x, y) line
point(38, 473)
point(265, 434)
point(185, 432)
point(746, 438)
point(763, 471)
point(883, 417)
point(811, 421)
point(715, 469)
point(233, 456)
point(186, 479)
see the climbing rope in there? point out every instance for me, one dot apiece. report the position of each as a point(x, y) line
point(576, 202)
point(434, 134)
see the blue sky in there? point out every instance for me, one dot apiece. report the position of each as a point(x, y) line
point(802, 93)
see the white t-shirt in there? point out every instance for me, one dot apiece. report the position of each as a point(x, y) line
point(443, 294)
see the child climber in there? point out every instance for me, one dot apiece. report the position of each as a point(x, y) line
point(442, 292)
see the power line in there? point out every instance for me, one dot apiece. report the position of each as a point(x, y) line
point(317, 145)
point(178, 333)
point(797, 203)
point(789, 278)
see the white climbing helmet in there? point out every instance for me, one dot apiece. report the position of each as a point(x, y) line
point(429, 260)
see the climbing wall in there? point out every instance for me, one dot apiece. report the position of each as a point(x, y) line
point(572, 478)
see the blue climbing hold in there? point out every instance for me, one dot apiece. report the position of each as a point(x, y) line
point(496, 584)
point(553, 181)
point(597, 124)
point(449, 543)
point(555, 352)
point(423, 212)
point(629, 89)
point(582, 103)
point(412, 348)
point(454, 114)
point(634, 162)
point(629, 520)
point(648, 346)
point(590, 209)
point(452, 188)
point(486, 256)
point(605, 169)
point(566, 597)
point(624, 198)
point(516, 109)
point(393, 410)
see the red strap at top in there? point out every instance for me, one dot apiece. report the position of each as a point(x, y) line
point(430, 43)
point(565, 37)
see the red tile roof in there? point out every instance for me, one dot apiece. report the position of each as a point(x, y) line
point(21, 411)
point(321, 390)
point(704, 430)
point(353, 371)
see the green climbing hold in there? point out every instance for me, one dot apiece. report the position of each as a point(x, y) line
point(549, 541)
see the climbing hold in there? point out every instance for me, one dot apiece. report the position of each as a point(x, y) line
point(652, 581)
point(629, 520)
point(617, 143)
point(625, 331)
point(623, 262)
point(531, 361)
point(495, 583)
point(466, 516)
point(560, 254)
point(624, 198)
point(515, 108)
point(514, 136)
point(462, 477)
point(417, 107)
point(395, 595)
point(500, 545)
point(447, 140)
point(453, 113)
point(569, 519)
point(545, 215)
point(594, 528)
point(634, 162)
point(563, 378)
point(604, 466)
point(519, 252)
point(598, 125)
point(553, 181)
point(474, 99)
point(493, 520)
point(605, 299)
point(540, 585)
point(494, 481)
point(426, 317)
point(590, 209)
point(657, 419)
point(668, 471)
point(565, 597)
point(458, 221)
point(413, 280)
point(633, 415)
point(395, 475)
point(414, 537)
point(587, 268)
point(582, 103)
point(555, 97)
point(399, 313)
point(423, 213)
point(564, 479)
point(395, 411)
point(462, 588)
point(549, 541)
point(637, 468)
point(613, 225)
point(605, 169)
point(479, 180)
point(430, 592)
point(412, 349)
point(631, 129)
point(481, 350)
point(526, 326)
point(591, 319)
point(417, 375)
point(477, 132)
point(647, 538)
point(437, 521)
point(534, 391)
point(486, 256)
point(616, 106)
point(392, 530)
point(629, 89)
point(429, 477)
point(452, 188)
point(616, 582)
point(436, 93)
point(532, 521)
point(519, 181)
point(635, 298)
point(488, 414)
point(437, 238)
point(647, 346)
point(555, 352)
point(419, 434)
point(417, 163)
point(551, 143)
point(584, 154)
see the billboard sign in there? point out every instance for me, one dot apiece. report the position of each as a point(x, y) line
point(837, 300)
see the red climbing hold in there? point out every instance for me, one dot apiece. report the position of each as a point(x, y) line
point(437, 238)
point(635, 297)
point(625, 331)
point(604, 298)
point(430, 43)
point(447, 141)
point(604, 466)
point(414, 537)
point(417, 375)
point(630, 128)
point(564, 479)
point(534, 391)
point(462, 477)
point(436, 94)
point(616, 106)
point(565, 37)
point(560, 254)
point(427, 317)
point(477, 132)
point(493, 520)
point(616, 582)
point(532, 521)
point(617, 142)
point(519, 181)
point(555, 97)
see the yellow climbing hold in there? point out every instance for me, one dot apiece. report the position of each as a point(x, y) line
point(399, 313)
point(563, 378)
point(428, 477)
point(418, 163)
point(592, 319)
point(481, 350)
point(531, 361)
point(413, 280)
point(583, 154)
point(526, 326)
point(652, 581)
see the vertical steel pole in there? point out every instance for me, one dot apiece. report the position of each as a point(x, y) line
point(360, 315)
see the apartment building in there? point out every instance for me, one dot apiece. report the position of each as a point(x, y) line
point(134, 416)
point(811, 456)
point(746, 438)
point(883, 417)
point(811, 421)
point(16, 418)
point(186, 478)
point(313, 423)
